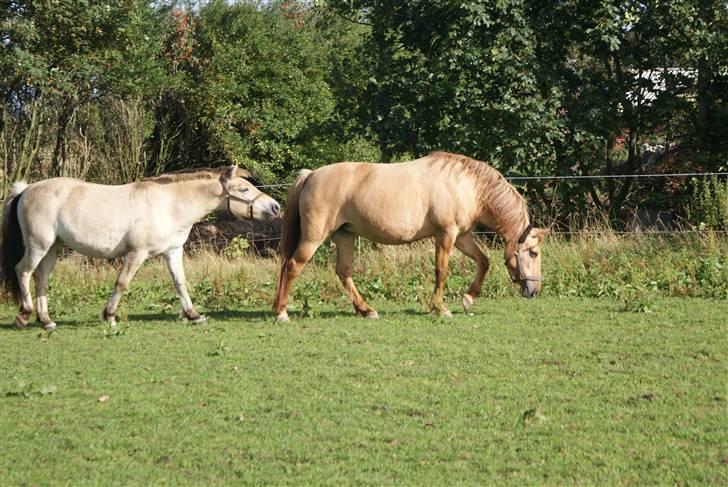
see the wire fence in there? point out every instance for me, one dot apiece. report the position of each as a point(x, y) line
point(577, 177)
point(582, 177)
point(567, 232)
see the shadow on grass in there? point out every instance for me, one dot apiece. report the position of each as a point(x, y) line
point(295, 315)
point(252, 315)
point(36, 326)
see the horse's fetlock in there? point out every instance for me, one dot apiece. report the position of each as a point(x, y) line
point(191, 314)
point(21, 321)
point(468, 301)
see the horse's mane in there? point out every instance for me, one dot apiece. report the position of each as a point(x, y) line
point(496, 194)
point(193, 175)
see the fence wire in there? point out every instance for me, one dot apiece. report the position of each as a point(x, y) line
point(582, 177)
point(577, 177)
point(573, 232)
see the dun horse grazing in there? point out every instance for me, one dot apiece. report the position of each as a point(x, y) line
point(134, 221)
point(442, 195)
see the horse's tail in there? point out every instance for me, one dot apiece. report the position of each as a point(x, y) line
point(291, 228)
point(12, 244)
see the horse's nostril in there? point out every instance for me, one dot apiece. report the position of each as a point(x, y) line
point(276, 208)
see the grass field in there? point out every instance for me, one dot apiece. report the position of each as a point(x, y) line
point(551, 391)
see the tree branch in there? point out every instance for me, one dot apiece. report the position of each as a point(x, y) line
point(358, 22)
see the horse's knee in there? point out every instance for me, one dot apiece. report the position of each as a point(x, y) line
point(344, 272)
point(485, 264)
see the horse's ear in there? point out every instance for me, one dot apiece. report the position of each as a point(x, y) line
point(540, 233)
point(235, 171)
point(229, 173)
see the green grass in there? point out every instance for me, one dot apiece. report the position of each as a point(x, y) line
point(550, 391)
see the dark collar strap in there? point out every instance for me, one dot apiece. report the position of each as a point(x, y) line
point(525, 233)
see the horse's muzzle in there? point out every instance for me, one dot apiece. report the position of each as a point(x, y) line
point(272, 210)
point(529, 292)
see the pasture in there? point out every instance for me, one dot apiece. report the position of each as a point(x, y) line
point(619, 384)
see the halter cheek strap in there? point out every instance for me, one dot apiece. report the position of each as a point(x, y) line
point(248, 202)
point(525, 233)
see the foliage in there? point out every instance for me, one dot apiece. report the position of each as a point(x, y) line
point(535, 88)
point(709, 205)
point(546, 87)
point(236, 247)
point(262, 84)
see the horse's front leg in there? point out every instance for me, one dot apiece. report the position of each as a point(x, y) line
point(443, 249)
point(466, 244)
point(176, 269)
point(131, 264)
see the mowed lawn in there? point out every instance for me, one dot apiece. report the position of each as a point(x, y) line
point(550, 391)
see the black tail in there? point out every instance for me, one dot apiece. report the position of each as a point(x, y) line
point(12, 246)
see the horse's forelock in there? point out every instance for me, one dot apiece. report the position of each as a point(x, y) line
point(242, 173)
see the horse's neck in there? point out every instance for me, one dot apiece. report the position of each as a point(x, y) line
point(508, 219)
point(197, 198)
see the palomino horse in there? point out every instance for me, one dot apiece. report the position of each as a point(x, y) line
point(441, 195)
point(134, 221)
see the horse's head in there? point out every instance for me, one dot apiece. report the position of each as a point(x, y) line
point(523, 259)
point(245, 200)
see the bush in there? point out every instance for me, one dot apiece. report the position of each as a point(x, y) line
point(709, 206)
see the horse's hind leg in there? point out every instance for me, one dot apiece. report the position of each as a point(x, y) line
point(25, 268)
point(41, 286)
point(292, 270)
point(131, 264)
point(344, 258)
point(466, 244)
point(176, 269)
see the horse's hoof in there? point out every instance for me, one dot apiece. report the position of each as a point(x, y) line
point(50, 326)
point(200, 320)
point(445, 313)
point(372, 315)
point(282, 318)
point(20, 323)
point(468, 302)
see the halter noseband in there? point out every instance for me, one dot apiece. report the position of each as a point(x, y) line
point(521, 277)
point(229, 196)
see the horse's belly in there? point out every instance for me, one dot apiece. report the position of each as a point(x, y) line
point(98, 244)
point(391, 232)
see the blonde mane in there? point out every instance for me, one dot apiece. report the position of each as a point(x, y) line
point(193, 175)
point(496, 195)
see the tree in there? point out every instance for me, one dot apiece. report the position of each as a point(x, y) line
point(261, 85)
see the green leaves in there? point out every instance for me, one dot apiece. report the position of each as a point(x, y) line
point(263, 85)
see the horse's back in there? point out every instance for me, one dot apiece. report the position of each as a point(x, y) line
point(389, 203)
point(90, 218)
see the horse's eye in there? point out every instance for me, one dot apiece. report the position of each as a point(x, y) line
point(533, 254)
point(244, 190)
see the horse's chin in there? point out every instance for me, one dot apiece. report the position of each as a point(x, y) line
point(528, 292)
point(268, 217)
